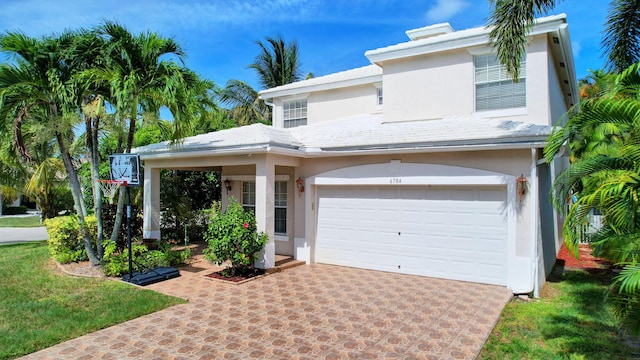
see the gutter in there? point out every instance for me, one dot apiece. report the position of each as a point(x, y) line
point(302, 152)
point(534, 221)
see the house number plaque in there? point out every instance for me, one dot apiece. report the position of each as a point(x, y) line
point(395, 180)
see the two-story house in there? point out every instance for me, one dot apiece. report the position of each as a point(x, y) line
point(427, 162)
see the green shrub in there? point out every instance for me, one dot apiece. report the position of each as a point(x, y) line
point(65, 241)
point(14, 210)
point(233, 236)
point(116, 261)
point(109, 217)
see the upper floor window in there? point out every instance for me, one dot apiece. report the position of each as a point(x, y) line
point(379, 103)
point(294, 113)
point(494, 88)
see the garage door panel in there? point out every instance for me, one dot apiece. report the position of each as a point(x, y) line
point(449, 232)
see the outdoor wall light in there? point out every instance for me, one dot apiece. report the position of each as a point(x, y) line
point(521, 186)
point(300, 185)
point(227, 185)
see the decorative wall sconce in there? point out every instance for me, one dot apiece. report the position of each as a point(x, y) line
point(521, 186)
point(227, 185)
point(300, 185)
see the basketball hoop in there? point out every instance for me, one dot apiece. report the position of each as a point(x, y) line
point(109, 188)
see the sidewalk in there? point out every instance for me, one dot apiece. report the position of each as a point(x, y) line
point(21, 235)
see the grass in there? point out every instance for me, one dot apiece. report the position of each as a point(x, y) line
point(568, 322)
point(40, 307)
point(20, 221)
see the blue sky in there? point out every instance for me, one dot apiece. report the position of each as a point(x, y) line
point(219, 35)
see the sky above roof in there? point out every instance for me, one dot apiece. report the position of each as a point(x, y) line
point(219, 35)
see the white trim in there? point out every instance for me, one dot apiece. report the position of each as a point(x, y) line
point(515, 111)
point(429, 31)
point(480, 50)
point(301, 249)
point(292, 92)
point(295, 96)
point(533, 205)
point(455, 40)
point(526, 143)
point(280, 237)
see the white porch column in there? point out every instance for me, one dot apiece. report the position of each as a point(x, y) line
point(265, 180)
point(151, 208)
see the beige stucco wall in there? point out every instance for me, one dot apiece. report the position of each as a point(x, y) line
point(428, 87)
point(438, 85)
point(442, 84)
point(332, 104)
point(340, 103)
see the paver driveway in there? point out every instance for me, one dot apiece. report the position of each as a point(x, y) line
point(310, 312)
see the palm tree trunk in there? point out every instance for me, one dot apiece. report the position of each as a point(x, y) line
point(77, 199)
point(93, 125)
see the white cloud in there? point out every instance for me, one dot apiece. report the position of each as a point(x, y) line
point(40, 17)
point(444, 10)
point(576, 47)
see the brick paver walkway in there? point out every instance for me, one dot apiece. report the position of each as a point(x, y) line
point(308, 312)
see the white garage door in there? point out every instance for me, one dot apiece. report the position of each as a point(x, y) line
point(449, 232)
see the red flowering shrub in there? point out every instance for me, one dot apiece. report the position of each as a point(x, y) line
point(233, 236)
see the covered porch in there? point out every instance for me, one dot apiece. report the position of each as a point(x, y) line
point(262, 181)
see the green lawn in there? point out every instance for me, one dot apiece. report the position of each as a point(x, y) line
point(20, 221)
point(40, 307)
point(568, 322)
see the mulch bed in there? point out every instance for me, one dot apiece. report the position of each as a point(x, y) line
point(239, 277)
point(586, 261)
point(82, 268)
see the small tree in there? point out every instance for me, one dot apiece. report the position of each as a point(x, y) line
point(233, 236)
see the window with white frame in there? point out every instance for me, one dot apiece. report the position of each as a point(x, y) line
point(294, 113)
point(280, 200)
point(494, 87)
point(379, 103)
point(249, 195)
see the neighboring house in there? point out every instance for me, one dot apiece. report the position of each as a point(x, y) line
point(408, 165)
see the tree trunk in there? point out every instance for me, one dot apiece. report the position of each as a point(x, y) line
point(76, 191)
point(92, 127)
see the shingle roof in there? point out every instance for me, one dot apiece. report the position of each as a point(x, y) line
point(365, 132)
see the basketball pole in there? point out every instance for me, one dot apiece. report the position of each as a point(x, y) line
point(129, 228)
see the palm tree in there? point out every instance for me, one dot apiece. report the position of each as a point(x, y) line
point(246, 106)
point(621, 41)
point(511, 21)
point(40, 81)
point(276, 64)
point(605, 175)
point(144, 73)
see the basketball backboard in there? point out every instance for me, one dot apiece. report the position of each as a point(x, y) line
point(125, 167)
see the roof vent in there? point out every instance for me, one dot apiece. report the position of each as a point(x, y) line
point(429, 31)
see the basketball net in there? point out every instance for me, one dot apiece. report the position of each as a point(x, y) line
point(110, 187)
